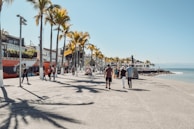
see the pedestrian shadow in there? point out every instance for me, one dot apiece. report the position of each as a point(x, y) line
point(140, 79)
point(90, 77)
point(137, 89)
point(119, 90)
point(22, 109)
point(90, 81)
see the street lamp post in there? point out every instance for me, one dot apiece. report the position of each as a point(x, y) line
point(132, 59)
point(22, 22)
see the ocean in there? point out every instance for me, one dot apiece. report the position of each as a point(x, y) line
point(180, 74)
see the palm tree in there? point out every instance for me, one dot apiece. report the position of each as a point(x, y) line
point(83, 40)
point(111, 59)
point(1, 65)
point(65, 30)
point(128, 60)
point(41, 5)
point(60, 18)
point(71, 47)
point(122, 60)
point(97, 53)
point(75, 37)
point(108, 60)
point(92, 47)
point(117, 60)
point(50, 18)
point(101, 57)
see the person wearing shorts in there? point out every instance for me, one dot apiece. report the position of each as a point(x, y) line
point(25, 73)
point(108, 75)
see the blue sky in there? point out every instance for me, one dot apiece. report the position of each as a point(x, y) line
point(161, 31)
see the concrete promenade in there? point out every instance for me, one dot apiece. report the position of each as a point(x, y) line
point(84, 103)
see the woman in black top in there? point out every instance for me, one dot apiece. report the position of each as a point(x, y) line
point(123, 76)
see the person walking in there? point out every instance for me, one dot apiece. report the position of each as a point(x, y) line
point(25, 73)
point(73, 70)
point(115, 72)
point(108, 76)
point(53, 71)
point(123, 76)
point(44, 74)
point(49, 71)
point(118, 72)
point(130, 75)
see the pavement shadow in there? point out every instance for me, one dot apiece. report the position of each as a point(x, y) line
point(41, 100)
point(90, 81)
point(33, 93)
point(87, 80)
point(66, 104)
point(119, 90)
point(8, 85)
point(62, 83)
point(137, 89)
point(80, 88)
point(23, 110)
point(140, 79)
point(90, 77)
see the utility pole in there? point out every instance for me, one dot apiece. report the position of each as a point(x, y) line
point(22, 22)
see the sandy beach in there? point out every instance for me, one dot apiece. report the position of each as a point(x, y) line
point(84, 103)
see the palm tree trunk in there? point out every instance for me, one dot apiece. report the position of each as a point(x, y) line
point(72, 60)
point(1, 65)
point(79, 50)
point(51, 44)
point(41, 59)
point(74, 57)
point(83, 58)
point(57, 44)
point(62, 66)
point(96, 65)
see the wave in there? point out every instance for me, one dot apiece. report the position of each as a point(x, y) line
point(177, 72)
point(180, 74)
